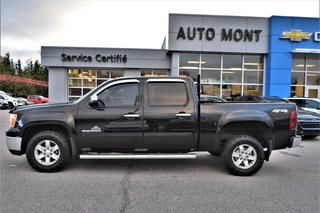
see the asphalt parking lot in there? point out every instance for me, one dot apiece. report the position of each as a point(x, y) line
point(289, 182)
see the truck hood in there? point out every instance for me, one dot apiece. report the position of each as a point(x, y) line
point(307, 115)
point(42, 107)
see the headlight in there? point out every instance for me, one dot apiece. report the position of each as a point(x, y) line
point(13, 120)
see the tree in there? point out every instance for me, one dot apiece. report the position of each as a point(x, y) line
point(31, 70)
point(7, 66)
point(19, 68)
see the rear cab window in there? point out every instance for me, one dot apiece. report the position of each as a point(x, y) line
point(167, 94)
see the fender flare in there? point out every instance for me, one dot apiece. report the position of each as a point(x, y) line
point(243, 116)
point(61, 119)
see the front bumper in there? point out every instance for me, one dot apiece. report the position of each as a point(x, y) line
point(309, 128)
point(14, 141)
point(294, 141)
point(4, 106)
point(311, 131)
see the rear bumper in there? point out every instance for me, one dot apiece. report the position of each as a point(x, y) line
point(294, 141)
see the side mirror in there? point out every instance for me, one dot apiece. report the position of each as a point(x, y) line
point(93, 102)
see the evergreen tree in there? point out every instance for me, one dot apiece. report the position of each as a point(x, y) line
point(30, 70)
point(19, 68)
point(36, 72)
point(7, 65)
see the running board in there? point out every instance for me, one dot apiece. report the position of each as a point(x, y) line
point(130, 156)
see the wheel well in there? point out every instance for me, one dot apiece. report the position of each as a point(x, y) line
point(34, 129)
point(257, 130)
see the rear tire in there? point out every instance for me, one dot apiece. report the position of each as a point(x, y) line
point(243, 155)
point(48, 151)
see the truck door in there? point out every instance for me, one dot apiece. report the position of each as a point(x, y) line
point(115, 123)
point(169, 115)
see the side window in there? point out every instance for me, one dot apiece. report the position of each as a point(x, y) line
point(312, 104)
point(167, 94)
point(121, 95)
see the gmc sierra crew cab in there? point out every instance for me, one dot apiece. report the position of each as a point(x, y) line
point(151, 118)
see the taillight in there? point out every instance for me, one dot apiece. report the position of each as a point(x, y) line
point(293, 120)
point(13, 119)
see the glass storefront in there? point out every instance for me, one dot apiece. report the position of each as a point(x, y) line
point(151, 72)
point(305, 73)
point(81, 81)
point(225, 75)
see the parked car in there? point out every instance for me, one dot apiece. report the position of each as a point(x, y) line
point(37, 99)
point(25, 101)
point(259, 99)
point(308, 123)
point(3, 104)
point(2, 92)
point(12, 102)
point(19, 102)
point(309, 104)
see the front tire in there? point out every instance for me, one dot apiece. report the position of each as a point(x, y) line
point(10, 105)
point(48, 151)
point(243, 155)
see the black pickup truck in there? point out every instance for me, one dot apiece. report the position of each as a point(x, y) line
point(151, 118)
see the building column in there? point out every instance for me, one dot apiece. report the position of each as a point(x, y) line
point(174, 64)
point(58, 85)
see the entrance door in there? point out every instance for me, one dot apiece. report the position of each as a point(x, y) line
point(312, 92)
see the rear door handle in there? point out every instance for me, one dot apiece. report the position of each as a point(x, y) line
point(131, 116)
point(183, 115)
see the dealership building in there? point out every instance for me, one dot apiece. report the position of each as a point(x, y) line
point(276, 56)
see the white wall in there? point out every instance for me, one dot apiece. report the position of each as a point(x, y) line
point(132, 72)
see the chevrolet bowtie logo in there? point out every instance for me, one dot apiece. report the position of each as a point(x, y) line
point(295, 35)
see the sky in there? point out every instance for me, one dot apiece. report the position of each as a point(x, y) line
point(26, 25)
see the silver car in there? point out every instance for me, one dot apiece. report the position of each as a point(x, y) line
point(309, 104)
point(3, 104)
